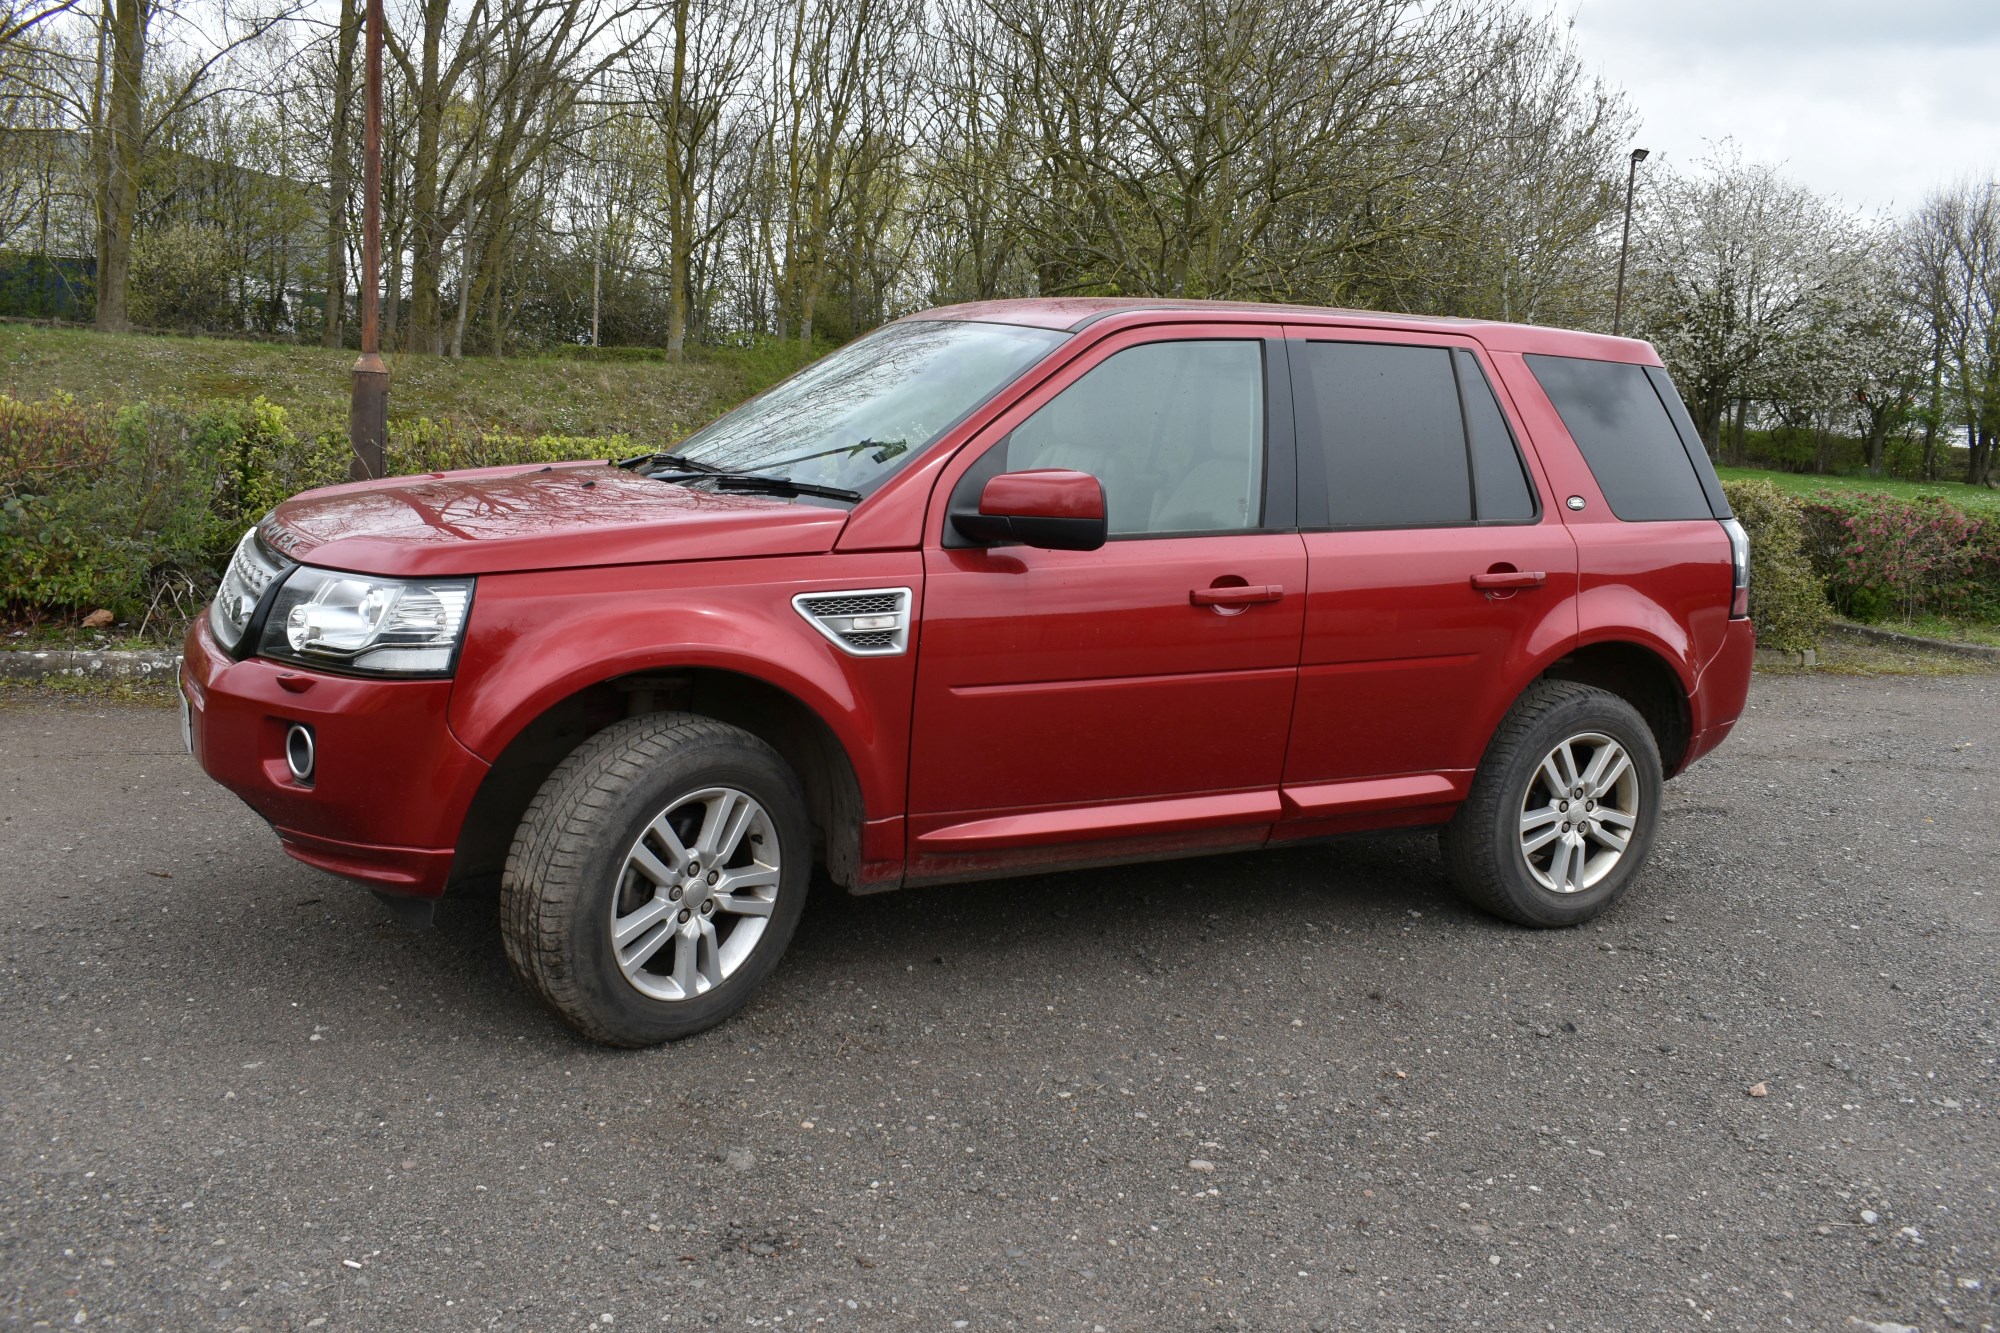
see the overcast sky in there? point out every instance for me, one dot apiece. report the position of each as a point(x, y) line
point(1873, 101)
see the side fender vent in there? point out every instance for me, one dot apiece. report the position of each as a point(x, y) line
point(866, 622)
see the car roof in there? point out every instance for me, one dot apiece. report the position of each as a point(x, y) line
point(1072, 314)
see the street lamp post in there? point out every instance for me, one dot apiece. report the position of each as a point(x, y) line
point(368, 410)
point(1625, 243)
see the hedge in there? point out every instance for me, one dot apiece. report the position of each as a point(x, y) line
point(1787, 599)
point(136, 509)
point(1880, 556)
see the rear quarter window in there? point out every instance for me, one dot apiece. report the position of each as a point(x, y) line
point(1626, 436)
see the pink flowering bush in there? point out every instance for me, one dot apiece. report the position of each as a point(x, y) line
point(1881, 556)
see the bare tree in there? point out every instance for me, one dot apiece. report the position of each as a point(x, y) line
point(690, 83)
point(1963, 226)
point(339, 159)
point(127, 112)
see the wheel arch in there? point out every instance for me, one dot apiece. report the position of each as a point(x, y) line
point(1645, 676)
point(779, 717)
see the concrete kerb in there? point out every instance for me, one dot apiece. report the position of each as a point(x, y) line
point(31, 664)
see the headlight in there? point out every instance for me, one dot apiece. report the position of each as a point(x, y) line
point(250, 572)
point(359, 622)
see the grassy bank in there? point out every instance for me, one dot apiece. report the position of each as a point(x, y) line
point(648, 400)
point(129, 464)
point(1968, 497)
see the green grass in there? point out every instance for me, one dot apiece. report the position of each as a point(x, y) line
point(1968, 497)
point(651, 401)
point(1942, 627)
point(1846, 655)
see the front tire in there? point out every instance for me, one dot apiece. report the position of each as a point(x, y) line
point(1562, 811)
point(656, 878)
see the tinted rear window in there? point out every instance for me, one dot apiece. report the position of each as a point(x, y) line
point(1626, 436)
point(1393, 437)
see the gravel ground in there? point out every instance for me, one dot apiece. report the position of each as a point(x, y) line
point(1301, 1091)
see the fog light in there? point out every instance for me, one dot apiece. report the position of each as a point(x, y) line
point(299, 753)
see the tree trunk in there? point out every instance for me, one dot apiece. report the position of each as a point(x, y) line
point(1709, 422)
point(457, 351)
point(392, 295)
point(427, 232)
point(337, 175)
point(124, 127)
point(100, 145)
point(680, 192)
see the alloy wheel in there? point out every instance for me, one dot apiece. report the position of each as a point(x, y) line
point(695, 893)
point(1579, 812)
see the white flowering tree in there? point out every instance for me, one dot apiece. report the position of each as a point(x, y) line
point(1751, 288)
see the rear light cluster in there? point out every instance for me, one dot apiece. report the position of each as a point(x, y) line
point(1739, 558)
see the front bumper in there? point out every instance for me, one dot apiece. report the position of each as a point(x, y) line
point(390, 785)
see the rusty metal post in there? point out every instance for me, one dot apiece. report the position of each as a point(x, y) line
point(368, 412)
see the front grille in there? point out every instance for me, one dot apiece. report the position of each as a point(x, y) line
point(252, 568)
point(853, 621)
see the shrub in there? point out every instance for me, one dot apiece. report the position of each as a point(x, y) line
point(119, 509)
point(1882, 556)
point(41, 441)
point(445, 446)
point(181, 279)
point(1787, 599)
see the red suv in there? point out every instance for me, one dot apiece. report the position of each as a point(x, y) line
point(998, 588)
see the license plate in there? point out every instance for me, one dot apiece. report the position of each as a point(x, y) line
point(187, 718)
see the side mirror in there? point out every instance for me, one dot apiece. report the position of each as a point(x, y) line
point(1052, 508)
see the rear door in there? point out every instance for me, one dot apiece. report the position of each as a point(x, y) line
point(1110, 697)
point(1438, 569)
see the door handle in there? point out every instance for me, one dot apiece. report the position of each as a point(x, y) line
point(1240, 595)
point(1498, 580)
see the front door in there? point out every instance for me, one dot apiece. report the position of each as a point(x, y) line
point(1134, 699)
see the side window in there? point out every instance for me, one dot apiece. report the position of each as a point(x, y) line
point(1501, 491)
point(1391, 432)
point(1622, 428)
point(1174, 431)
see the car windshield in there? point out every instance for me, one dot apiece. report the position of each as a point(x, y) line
point(855, 416)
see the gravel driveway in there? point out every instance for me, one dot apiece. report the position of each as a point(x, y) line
point(1301, 1091)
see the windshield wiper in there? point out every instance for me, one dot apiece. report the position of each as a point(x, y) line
point(765, 484)
point(693, 465)
point(759, 483)
point(884, 451)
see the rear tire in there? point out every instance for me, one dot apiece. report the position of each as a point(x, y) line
point(656, 878)
point(1562, 811)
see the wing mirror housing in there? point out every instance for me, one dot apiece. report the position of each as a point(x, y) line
point(1051, 508)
